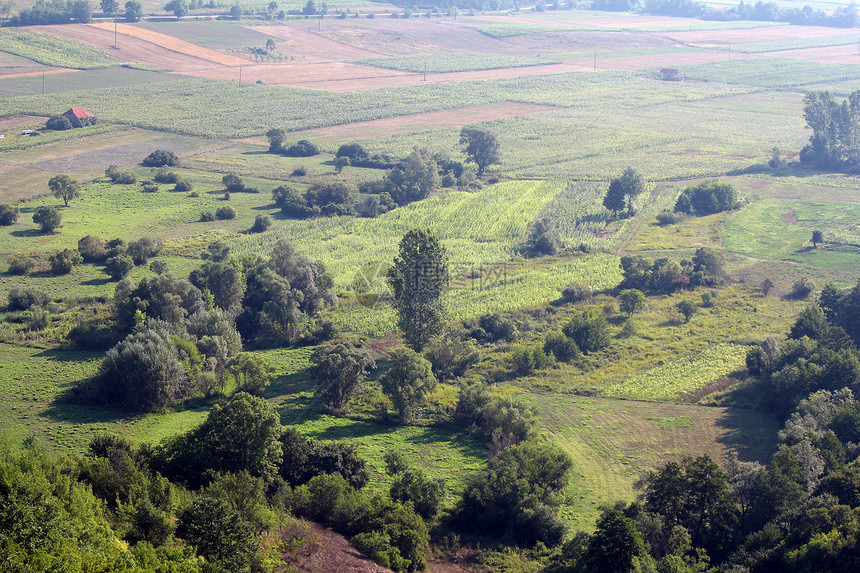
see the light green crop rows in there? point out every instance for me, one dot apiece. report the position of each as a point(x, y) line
point(53, 51)
point(683, 376)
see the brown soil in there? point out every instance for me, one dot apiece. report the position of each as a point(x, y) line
point(19, 121)
point(414, 122)
point(847, 54)
point(764, 34)
point(343, 77)
point(173, 44)
point(790, 217)
point(309, 46)
point(673, 60)
point(337, 555)
point(26, 74)
point(129, 48)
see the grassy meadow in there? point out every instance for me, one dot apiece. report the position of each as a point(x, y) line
point(617, 412)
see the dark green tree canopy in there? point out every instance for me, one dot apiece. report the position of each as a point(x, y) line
point(64, 187)
point(707, 198)
point(48, 218)
point(340, 369)
point(481, 146)
point(418, 279)
point(408, 382)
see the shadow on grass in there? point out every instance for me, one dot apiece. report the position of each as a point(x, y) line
point(352, 429)
point(82, 414)
point(59, 355)
point(28, 233)
point(97, 282)
point(258, 153)
point(750, 433)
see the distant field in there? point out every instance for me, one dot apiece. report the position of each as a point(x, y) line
point(215, 35)
point(773, 72)
point(455, 62)
point(53, 51)
point(796, 44)
point(83, 80)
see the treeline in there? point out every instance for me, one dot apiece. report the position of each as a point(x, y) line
point(53, 12)
point(842, 17)
point(834, 143)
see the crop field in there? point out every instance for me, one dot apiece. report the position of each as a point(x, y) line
point(57, 81)
point(796, 44)
point(52, 51)
point(773, 72)
point(214, 35)
point(739, 317)
point(456, 62)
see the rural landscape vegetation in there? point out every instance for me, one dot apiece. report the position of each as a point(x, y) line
point(467, 286)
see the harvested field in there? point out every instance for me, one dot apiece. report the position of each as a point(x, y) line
point(29, 74)
point(707, 38)
point(847, 54)
point(12, 64)
point(417, 122)
point(131, 48)
point(308, 46)
point(672, 60)
point(342, 77)
point(16, 122)
point(174, 44)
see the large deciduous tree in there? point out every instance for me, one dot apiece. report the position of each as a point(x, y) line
point(481, 146)
point(64, 187)
point(340, 370)
point(418, 279)
point(48, 218)
point(409, 381)
point(624, 189)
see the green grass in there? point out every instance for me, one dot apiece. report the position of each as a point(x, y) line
point(48, 137)
point(53, 51)
point(781, 230)
point(215, 35)
point(456, 62)
point(773, 72)
point(796, 44)
point(612, 442)
point(82, 80)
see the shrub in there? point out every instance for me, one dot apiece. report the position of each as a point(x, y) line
point(8, 214)
point(160, 158)
point(59, 123)
point(62, 262)
point(225, 212)
point(48, 218)
point(561, 346)
point(21, 264)
point(142, 250)
point(21, 298)
point(164, 175)
point(207, 216)
point(183, 185)
point(802, 288)
point(527, 359)
point(589, 330)
point(233, 183)
point(119, 266)
point(766, 286)
point(261, 223)
point(667, 217)
point(123, 177)
point(707, 198)
point(576, 292)
point(300, 171)
point(149, 187)
point(303, 148)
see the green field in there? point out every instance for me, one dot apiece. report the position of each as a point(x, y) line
point(54, 51)
point(618, 412)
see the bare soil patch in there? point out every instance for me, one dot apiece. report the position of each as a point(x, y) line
point(672, 60)
point(19, 121)
point(309, 46)
point(790, 217)
point(336, 555)
point(344, 77)
point(417, 122)
point(846, 54)
point(128, 48)
point(764, 34)
point(173, 44)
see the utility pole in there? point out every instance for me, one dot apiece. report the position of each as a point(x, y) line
point(319, 25)
point(595, 59)
point(43, 83)
point(240, 76)
point(114, 34)
point(425, 69)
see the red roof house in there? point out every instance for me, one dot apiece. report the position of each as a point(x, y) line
point(80, 117)
point(670, 75)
